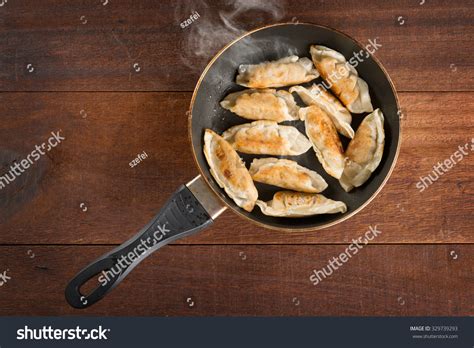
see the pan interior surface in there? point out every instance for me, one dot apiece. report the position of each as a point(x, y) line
point(275, 42)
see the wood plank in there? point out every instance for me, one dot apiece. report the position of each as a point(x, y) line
point(84, 191)
point(86, 46)
point(407, 280)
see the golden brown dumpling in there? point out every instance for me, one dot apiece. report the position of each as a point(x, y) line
point(364, 152)
point(326, 143)
point(287, 71)
point(267, 138)
point(345, 82)
point(262, 104)
point(340, 116)
point(287, 174)
point(229, 170)
point(298, 204)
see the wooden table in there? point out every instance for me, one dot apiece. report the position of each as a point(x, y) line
point(116, 78)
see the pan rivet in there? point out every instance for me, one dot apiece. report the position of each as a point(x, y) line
point(242, 255)
point(296, 301)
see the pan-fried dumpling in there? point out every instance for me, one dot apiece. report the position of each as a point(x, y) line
point(364, 152)
point(317, 95)
point(343, 78)
point(298, 204)
point(263, 104)
point(267, 138)
point(287, 71)
point(287, 174)
point(229, 170)
point(326, 143)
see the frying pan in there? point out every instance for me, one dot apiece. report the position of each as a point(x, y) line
point(195, 205)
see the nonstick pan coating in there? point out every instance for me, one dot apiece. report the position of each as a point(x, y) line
point(274, 42)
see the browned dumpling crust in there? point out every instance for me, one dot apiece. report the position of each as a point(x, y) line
point(267, 138)
point(229, 171)
point(340, 116)
point(287, 71)
point(364, 152)
point(262, 104)
point(298, 204)
point(286, 174)
point(343, 87)
point(343, 79)
point(326, 143)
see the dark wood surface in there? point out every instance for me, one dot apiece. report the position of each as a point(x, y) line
point(252, 280)
point(417, 49)
point(83, 198)
point(92, 167)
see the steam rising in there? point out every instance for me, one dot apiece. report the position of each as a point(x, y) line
point(205, 37)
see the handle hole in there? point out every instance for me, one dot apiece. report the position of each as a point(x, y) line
point(92, 284)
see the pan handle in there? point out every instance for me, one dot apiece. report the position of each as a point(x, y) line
point(182, 216)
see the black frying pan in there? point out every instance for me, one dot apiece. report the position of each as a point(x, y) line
point(195, 205)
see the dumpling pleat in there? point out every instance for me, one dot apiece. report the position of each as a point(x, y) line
point(297, 204)
point(364, 152)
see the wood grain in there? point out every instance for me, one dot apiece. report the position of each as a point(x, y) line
point(91, 167)
point(104, 75)
point(251, 280)
point(85, 46)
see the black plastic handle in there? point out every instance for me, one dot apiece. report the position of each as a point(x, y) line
point(182, 216)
